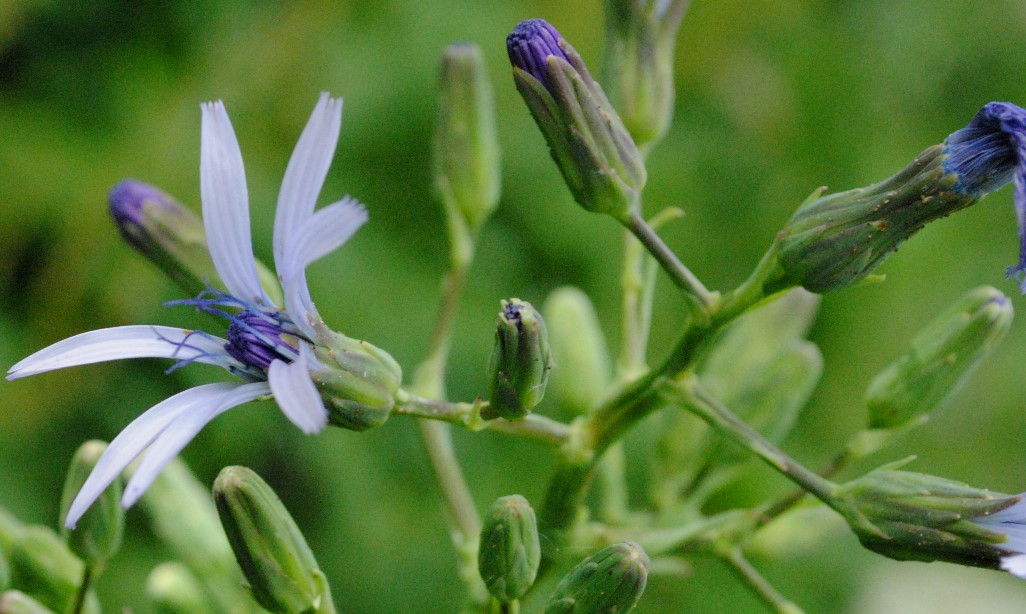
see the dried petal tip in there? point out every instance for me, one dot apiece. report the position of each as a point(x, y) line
point(987, 154)
point(531, 43)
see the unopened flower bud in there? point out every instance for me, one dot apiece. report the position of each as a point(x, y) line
point(939, 359)
point(281, 570)
point(520, 362)
point(836, 240)
point(509, 552)
point(171, 236)
point(593, 150)
point(172, 589)
point(359, 381)
point(466, 144)
point(17, 602)
point(640, 40)
point(97, 534)
point(610, 581)
point(578, 348)
point(44, 568)
point(915, 517)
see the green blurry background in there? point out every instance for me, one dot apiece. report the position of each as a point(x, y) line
point(774, 99)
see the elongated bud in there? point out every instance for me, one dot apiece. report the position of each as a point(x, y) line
point(640, 39)
point(97, 534)
point(520, 362)
point(836, 240)
point(592, 148)
point(171, 236)
point(611, 580)
point(359, 382)
point(578, 349)
point(43, 567)
point(172, 589)
point(916, 517)
point(278, 564)
point(17, 602)
point(466, 144)
point(509, 553)
point(939, 359)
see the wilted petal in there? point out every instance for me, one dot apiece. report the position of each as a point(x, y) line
point(181, 431)
point(139, 341)
point(304, 176)
point(296, 393)
point(226, 206)
point(134, 439)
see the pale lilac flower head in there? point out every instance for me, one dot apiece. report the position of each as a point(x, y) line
point(270, 347)
point(1011, 522)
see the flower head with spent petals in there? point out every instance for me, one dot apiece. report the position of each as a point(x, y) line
point(287, 353)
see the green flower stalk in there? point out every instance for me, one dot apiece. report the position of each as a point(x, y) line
point(509, 552)
point(466, 145)
point(915, 517)
point(640, 39)
point(520, 362)
point(593, 150)
point(281, 570)
point(834, 241)
point(97, 537)
point(939, 359)
point(610, 581)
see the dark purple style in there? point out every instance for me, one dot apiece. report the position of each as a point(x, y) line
point(530, 44)
point(987, 154)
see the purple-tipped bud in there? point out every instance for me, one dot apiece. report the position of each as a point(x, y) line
point(598, 158)
point(987, 154)
point(531, 43)
point(127, 202)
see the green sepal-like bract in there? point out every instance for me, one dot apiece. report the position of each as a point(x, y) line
point(97, 534)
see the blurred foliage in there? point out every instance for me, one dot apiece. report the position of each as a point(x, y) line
point(774, 99)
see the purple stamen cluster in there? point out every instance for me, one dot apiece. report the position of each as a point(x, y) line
point(257, 339)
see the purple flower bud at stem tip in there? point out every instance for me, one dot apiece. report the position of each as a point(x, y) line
point(127, 198)
point(530, 44)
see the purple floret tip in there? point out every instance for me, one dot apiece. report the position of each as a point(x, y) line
point(530, 44)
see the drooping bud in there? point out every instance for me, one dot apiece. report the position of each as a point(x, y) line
point(836, 240)
point(611, 580)
point(44, 568)
point(360, 380)
point(520, 362)
point(939, 359)
point(509, 552)
point(466, 144)
point(640, 39)
point(97, 534)
point(281, 570)
point(578, 348)
point(172, 589)
point(17, 602)
point(172, 237)
point(915, 517)
point(593, 150)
